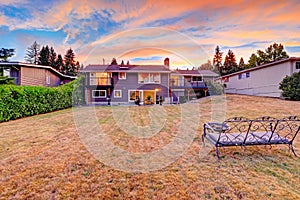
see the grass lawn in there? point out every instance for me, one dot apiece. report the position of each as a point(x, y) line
point(43, 157)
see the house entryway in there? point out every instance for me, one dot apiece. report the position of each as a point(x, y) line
point(149, 97)
point(146, 97)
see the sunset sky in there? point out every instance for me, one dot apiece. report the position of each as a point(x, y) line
point(145, 32)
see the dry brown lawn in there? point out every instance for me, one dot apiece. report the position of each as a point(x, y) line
point(43, 157)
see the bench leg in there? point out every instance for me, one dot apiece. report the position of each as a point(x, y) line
point(293, 150)
point(217, 152)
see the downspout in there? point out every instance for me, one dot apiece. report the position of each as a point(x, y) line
point(86, 81)
point(169, 88)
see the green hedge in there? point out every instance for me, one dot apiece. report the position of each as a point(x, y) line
point(22, 101)
point(290, 87)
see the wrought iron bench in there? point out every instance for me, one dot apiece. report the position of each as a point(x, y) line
point(240, 131)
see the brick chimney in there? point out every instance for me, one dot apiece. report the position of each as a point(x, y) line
point(167, 62)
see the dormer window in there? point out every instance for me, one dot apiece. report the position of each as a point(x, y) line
point(148, 78)
point(122, 75)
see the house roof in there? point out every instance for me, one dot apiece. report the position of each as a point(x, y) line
point(37, 66)
point(263, 66)
point(196, 73)
point(126, 68)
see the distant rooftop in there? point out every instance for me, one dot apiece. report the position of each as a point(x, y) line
point(196, 72)
point(290, 59)
point(16, 63)
point(123, 68)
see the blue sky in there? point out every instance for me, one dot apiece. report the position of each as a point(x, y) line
point(148, 31)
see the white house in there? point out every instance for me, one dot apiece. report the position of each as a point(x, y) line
point(262, 80)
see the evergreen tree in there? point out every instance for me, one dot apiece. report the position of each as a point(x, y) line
point(52, 58)
point(77, 67)
point(241, 64)
point(44, 56)
point(32, 55)
point(114, 61)
point(230, 64)
point(6, 80)
point(275, 52)
point(59, 64)
point(252, 61)
point(217, 61)
point(70, 64)
point(6, 53)
point(262, 58)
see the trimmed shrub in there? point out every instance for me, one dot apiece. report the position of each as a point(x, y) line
point(215, 88)
point(290, 87)
point(23, 101)
point(182, 99)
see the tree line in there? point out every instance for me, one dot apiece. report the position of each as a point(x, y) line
point(47, 56)
point(273, 53)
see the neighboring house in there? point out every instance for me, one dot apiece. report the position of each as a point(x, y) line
point(123, 84)
point(33, 75)
point(262, 80)
point(190, 83)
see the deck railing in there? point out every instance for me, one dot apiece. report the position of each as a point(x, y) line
point(185, 83)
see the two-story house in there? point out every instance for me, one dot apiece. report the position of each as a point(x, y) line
point(123, 84)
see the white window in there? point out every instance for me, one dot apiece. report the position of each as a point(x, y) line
point(132, 95)
point(102, 78)
point(99, 93)
point(149, 78)
point(118, 93)
point(48, 79)
point(6, 72)
point(177, 80)
point(154, 77)
point(135, 94)
point(92, 78)
point(122, 75)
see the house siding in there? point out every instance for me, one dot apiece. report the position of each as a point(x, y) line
point(131, 83)
point(37, 77)
point(262, 82)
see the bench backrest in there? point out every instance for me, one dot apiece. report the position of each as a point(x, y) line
point(287, 128)
point(236, 131)
point(261, 130)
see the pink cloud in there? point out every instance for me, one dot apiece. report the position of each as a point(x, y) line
point(225, 23)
